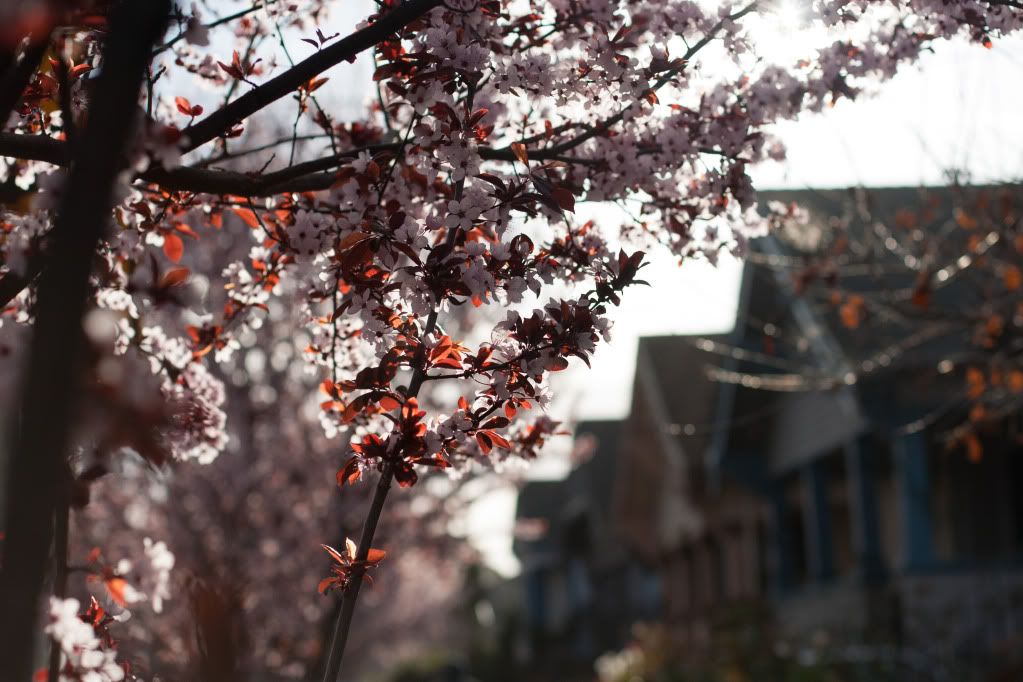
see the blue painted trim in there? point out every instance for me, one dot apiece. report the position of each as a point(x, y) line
point(861, 472)
point(817, 521)
point(782, 576)
point(912, 472)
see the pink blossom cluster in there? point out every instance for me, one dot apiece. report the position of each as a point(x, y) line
point(85, 657)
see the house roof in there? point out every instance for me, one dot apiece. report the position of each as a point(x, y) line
point(893, 237)
point(577, 506)
point(592, 480)
point(732, 428)
point(540, 500)
point(537, 510)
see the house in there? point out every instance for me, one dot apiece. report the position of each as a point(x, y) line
point(795, 473)
point(582, 588)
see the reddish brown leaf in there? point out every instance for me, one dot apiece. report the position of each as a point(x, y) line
point(1013, 277)
point(405, 475)
point(184, 106)
point(496, 423)
point(497, 440)
point(852, 312)
point(1015, 381)
point(485, 443)
point(976, 383)
point(557, 364)
point(248, 216)
point(78, 70)
point(174, 277)
point(117, 588)
point(173, 247)
point(519, 150)
point(349, 473)
point(315, 84)
point(965, 220)
point(974, 450)
point(389, 403)
point(335, 555)
point(186, 230)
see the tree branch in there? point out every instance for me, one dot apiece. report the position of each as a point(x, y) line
point(33, 148)
point(1005, 3)
point(606, 124)
point(344, 620)
point(12, 284)
point(222, 120)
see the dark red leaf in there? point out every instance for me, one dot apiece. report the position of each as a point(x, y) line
point(565, 199)
point(350, 473)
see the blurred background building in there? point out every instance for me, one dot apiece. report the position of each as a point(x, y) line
point(794, 483)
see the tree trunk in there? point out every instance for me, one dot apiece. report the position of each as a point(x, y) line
point(39, 447)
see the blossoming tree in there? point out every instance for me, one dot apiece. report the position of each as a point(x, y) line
point(456, 190)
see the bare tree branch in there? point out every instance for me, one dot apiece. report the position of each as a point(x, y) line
point(222, 120)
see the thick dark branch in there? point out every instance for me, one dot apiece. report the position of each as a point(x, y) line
point(12, 284)
point(309, 176)
point(34, 148)
point(188, 179)
point(1005, 3)
point(194, 179)
point(41, 429)
point(221, 121)
point(309, 167)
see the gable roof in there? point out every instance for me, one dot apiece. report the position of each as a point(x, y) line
point(894, 238)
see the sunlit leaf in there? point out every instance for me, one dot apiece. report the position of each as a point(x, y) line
point(173, 247)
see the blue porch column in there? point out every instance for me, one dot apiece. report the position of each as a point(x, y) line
point(536, 598)
point(861, 475)
point(820, 549)
point(912, 475)
point(780, 547)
